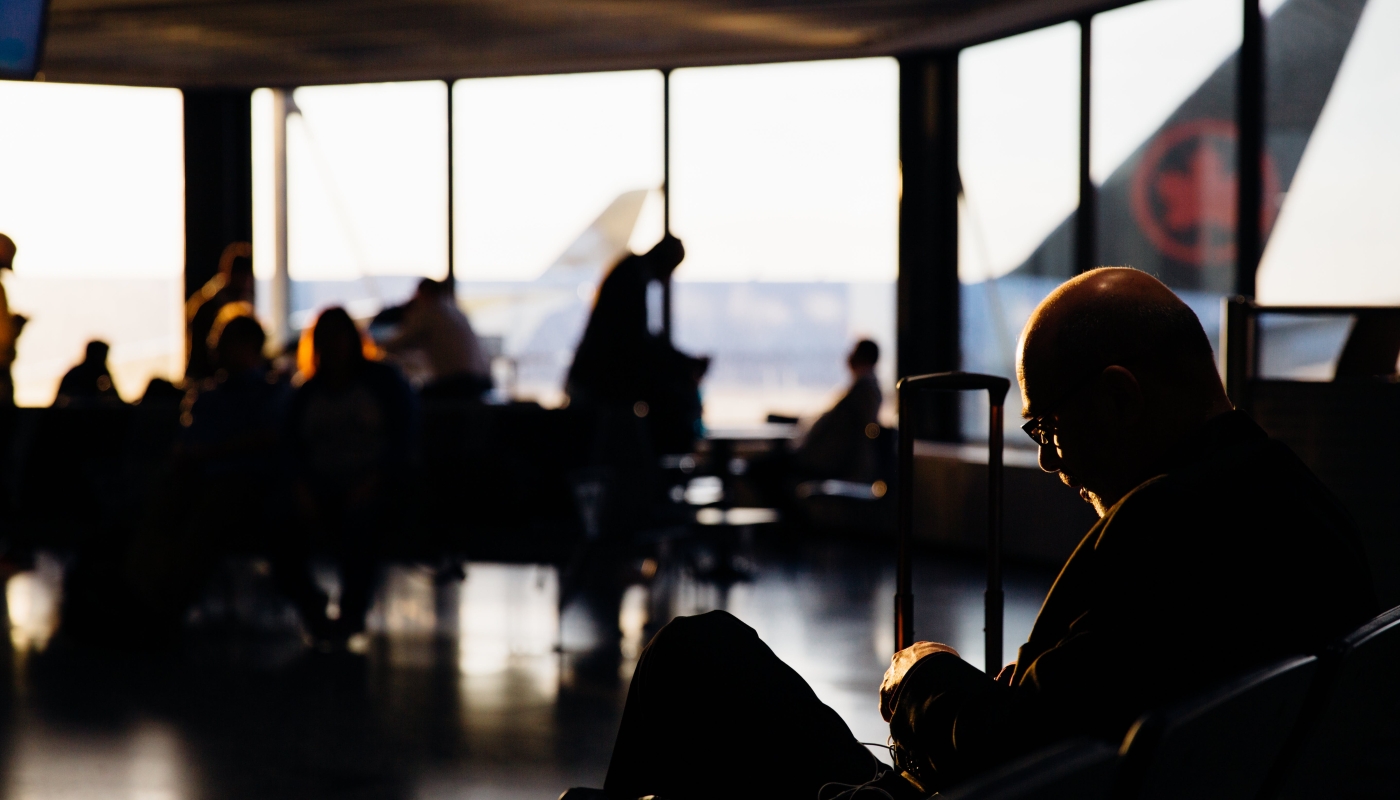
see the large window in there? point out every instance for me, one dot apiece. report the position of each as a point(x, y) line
point(557, 176)
point(93, 197)
point(1018, 144)
point(366, 193)
point(1337, 234)
point(785, 190)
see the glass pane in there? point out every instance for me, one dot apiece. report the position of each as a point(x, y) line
point(1336, 236)
point(366, 194)
point(785, 190)
point(1163, 143)
point(556, 177)
point(94, 199)
point(1018, 152)
point(1301, 347)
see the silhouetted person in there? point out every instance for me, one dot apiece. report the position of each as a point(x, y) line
point(621, 368)
point(434, 325)
point(10, 324)
point(89, 383)
point(351, 434)
point(230, 455)
point(1216, 551)
point(234, 283)
point(840, 443)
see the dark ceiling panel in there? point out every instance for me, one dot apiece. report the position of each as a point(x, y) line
point(308, 42)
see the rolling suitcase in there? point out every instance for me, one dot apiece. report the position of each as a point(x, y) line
point(907, 389)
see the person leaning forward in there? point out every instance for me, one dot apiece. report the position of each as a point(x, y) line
point(1216, 551)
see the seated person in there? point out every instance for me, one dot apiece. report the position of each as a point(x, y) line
point(434, 325)
point(838, 445)
point(89, 383)
point(229, 454)
point(1216, 551)
point(351, 432)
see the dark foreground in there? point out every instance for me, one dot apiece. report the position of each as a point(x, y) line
point(475, 688)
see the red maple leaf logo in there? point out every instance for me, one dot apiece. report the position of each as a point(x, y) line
point(1201, 196)
point(1184, 193)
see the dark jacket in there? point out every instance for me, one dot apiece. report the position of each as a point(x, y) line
point(365, 430)
point(1234, 557)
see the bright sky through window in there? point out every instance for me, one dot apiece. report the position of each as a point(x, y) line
point(1018, 146)
point(539, 158)
point(787, 172)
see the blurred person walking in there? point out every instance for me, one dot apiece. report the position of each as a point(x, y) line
point(351, 432)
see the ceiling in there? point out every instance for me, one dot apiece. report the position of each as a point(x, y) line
point(244, 43)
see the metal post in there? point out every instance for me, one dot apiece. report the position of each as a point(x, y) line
point(1249, 234)
point(904, 593)
point(1086, 218)
point(666, 195)
point(281, 296)
point(995, 600)
point(927, 305)
point(1237, 348)
point(218, 161)
point(451, 193)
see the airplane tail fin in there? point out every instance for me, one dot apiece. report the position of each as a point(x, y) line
point(1169, 209)
point(601, 244)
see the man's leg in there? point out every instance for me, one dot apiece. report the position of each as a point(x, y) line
point(712, 712)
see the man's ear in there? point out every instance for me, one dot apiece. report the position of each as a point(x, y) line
point(1123, 394)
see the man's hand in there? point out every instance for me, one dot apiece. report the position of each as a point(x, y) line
point(900, 664)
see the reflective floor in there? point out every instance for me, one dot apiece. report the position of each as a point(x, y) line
point(477, 688)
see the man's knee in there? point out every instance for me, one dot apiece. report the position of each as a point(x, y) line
point(708, 633)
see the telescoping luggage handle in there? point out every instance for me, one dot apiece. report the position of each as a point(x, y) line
point(996, 388)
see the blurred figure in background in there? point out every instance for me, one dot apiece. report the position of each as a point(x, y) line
point(839, 444)
point(623, 368)
point(10, 324)
point(231, 473)
point(89, 383)
point(351, 432)
point(232, 284)
point(434, 325)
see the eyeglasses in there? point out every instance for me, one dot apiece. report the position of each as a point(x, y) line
point(1040, 428)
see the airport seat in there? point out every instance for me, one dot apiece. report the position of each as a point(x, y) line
point(1348, 741)
point(1220, 745)
point(1076, 770)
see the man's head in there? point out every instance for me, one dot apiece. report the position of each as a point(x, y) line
point(429, 289)
point(96, 352)
point(863, 358)
point(7, 252)
point(236, 265)
point(1116, 369)
point(338, 346)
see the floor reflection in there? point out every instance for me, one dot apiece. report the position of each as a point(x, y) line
point(464, 688)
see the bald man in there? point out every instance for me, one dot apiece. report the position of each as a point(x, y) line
point(1216, 550)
